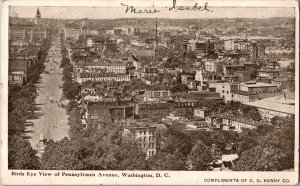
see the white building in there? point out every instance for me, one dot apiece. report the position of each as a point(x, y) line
point(258, 87)
point(229, 45)
point(274, 106)
point(145, 137)
point(72, 33)
point(117, 68)
point(225, 89)
point(210, 66)
point(90, 76)
point(244, 97)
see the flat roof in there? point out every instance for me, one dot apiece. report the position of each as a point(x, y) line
point(280, 79)
point(139, 126)
point(258, 84)
point(278, 104)
point(240, 92)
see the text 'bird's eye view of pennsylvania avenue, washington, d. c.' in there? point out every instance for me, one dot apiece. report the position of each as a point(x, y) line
point(89, 89)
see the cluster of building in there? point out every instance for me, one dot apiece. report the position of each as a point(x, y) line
point(25, 41)
point(106, 61)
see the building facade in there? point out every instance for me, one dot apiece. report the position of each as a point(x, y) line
point(145, 137)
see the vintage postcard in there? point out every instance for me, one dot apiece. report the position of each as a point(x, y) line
point(149, 92)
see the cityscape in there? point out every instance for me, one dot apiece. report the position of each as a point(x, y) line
point(151, 93)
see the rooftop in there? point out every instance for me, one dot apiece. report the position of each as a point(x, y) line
point(239, 119)
point(138, 126)
point(257, 84)
point(278, 104)
point(280, 79)
point(245, 93)
point(101, 64)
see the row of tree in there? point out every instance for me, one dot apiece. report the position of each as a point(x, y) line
point(268, 148)
point(21, 107)
point(70, 87)
point(263, 149)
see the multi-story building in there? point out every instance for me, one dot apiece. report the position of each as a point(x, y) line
point(145, 135)
point(228, 122)
point(99, 76)
point(33, 32)
point(258, 87)
point(225, 89)
point(230, 69)
point(268, 73)
point(16, 78)
point(211, 66)
point(149, 72)
point(186, 78)
point(243, 75)
point(72, 32)
point(182, 106)
point(18, 69)
point(146, 109)
point(200, 112)
point(203, 78)
point(107, 111)
point(156, 95)
point(243, 96)
point(229, 45)
point(280, 82)
point(116, 68)
point(257, 51)
point(240, 45)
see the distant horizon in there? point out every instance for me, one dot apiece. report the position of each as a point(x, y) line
point(97, 13)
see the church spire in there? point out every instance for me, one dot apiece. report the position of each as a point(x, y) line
point(37, 16)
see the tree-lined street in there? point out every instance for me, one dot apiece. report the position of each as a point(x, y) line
point(52, 119)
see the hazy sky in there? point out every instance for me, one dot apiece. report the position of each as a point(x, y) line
point(119, 12)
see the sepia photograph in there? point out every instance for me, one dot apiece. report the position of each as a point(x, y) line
point(144, 91)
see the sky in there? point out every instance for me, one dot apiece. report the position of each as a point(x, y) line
point(74, 12)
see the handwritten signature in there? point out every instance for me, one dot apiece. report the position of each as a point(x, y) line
point(174, 7)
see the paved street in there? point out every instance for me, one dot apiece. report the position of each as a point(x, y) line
point(52, 119)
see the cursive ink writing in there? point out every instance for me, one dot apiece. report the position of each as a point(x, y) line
point(135, 10)
point(196, 7)
point(174, 7)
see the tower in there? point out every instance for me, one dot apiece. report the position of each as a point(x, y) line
point(156, 42)
point(37, 16)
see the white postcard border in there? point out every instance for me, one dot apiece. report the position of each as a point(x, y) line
point(175, 177)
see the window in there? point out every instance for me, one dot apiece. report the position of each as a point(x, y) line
point(144, 138)
point(149, 138)
point(144, 132)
